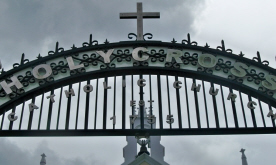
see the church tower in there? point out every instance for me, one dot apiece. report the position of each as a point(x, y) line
point(244, 161)
point(43, 160)
point(153, 142)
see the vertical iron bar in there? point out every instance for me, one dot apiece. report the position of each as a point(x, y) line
point(114, 99)
point(78, 107)
point(105, 104)
point(31, 115)
point(261, 109)
point(187, 103)
point(11, 122)
point(197, 107)
point(132, 97)
point(178, 106)
point(68, 109)
point(205, 104)
point(124, 104)
point(151, 125)
point(59, 105)
point(252, 113)
point(141, 107)
point(234, 111)
point(22, 112)
point(244, 118)
point(50, 111)
point(169, 101)
point(160, 101)
point(224, 109)
point(40, 112)
point(272, 120)
point(87, 108)
point(96, 104)
point(215, 107)
point(2, 122)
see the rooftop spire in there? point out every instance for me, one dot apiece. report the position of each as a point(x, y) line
point(244, 161)
point(143, 149)
point(43, 160)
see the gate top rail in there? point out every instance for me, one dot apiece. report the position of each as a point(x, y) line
point(260, 72)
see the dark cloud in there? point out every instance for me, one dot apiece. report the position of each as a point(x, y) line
point(33, 27)
point(11, 154)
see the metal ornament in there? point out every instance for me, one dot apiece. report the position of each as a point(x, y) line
point(176, 84)
point(211, 91)
point(139, 54)
point(239, 69)
point(14, 82)
point(42, 71)
point(139, 15)
point(106, 56)
point(71, 93)
point(32, 107)
point(194, 87)
point(151, 119)
point(88, 88)
point(170, 119)
point(250, 104)
point(232, 96)
point(140, 82)
point(51, 97)
point(207, 60)
point(71, 64)
point(176, 54)
point(12, 116)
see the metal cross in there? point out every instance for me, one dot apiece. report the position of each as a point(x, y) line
point(139, 15)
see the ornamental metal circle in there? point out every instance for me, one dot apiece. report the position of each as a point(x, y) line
point(137, 88)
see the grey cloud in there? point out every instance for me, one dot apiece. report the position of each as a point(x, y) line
point(33, 27)
point(11, 154)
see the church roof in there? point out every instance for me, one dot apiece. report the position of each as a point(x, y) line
point(144, 159)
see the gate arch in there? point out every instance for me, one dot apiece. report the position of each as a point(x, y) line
point(183, 66)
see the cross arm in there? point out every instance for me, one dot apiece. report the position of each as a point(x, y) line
point(128, 15)
point(151, 15)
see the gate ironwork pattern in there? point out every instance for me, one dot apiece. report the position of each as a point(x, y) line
point(101, 89)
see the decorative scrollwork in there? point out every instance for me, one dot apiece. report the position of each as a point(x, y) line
point(132, 34)
point(27, 79)
point(121, 56)
point(259, 60)
point(61, 67)
point(205, 70)
point(266, 91)
point(2, 93)
point(252, 75)
point(172, 64)
point(23, 61)
point(140, 63)
point(107, 66)
point(188, 41)
point(187, 58)
point(90, 43)
point(234, 78)
point(157, 56)
point(46, 80)
point(222, 48)
point(77, 71)
point(16, 92)
point(148, 35)
point(224, 66)
point(57, 50)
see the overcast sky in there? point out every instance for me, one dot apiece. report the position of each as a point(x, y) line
point(34, 26)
